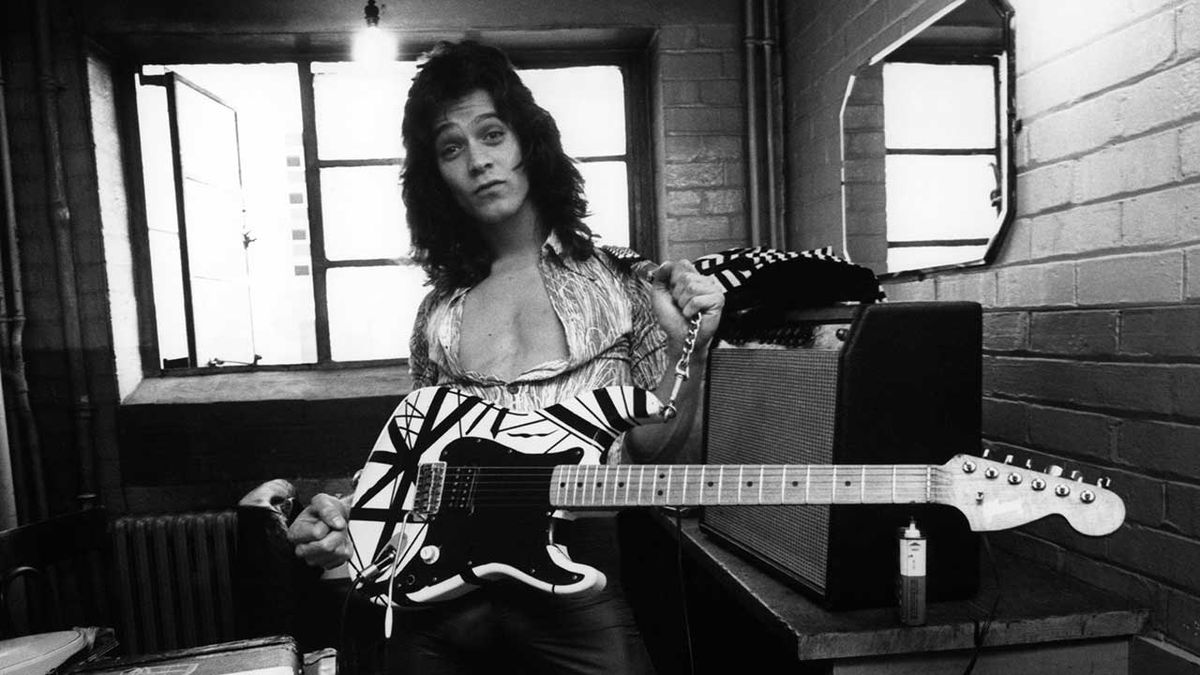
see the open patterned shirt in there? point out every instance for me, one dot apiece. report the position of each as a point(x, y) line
point(612, 336)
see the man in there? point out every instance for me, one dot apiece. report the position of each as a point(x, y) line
point(524, 312)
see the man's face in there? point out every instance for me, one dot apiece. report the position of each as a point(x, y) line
point(479, 157)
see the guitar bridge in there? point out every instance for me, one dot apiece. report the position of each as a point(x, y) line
point(431, 478)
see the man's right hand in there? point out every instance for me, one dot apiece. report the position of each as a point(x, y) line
point(319, 532)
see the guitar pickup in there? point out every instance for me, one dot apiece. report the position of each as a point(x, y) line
point(431, 478)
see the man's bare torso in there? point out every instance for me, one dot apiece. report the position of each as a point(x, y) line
point(508, 325)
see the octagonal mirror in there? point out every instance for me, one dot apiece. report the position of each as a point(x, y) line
point(927, 168)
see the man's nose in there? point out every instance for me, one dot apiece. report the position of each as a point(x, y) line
point(481, 158)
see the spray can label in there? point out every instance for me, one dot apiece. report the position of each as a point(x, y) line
point(912, 577)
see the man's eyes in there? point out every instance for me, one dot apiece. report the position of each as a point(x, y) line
point(449, 149)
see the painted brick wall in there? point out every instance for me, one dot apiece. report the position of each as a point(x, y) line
point(702, 186)
point(50, 391)
point(1092, 359)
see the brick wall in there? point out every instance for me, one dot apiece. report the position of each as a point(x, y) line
point(702, 186)
point(56, 407)
point(1092, 359)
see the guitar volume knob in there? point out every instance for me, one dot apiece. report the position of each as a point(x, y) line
point(430, 554)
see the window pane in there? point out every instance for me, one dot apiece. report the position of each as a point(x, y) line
point(920, 257)
point(939, 106)
point(946, 197)
point(608, 201)
point(372, 309)
point(363, 213)
point(359, 109)
point(274, 209)
point(588, 103)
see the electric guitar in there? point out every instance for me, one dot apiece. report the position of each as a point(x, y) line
point(459, 492)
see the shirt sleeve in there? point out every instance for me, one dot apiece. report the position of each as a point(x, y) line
point(648, 341)
point(423, 370)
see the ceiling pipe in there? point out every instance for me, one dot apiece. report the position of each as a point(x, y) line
point(60, 223)
point(753, 182)
point(21, 445)
point(769, 30)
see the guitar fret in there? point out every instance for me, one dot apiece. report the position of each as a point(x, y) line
point(782, 483)
point(588, 483)
point(761, 469)
point(862, 484)
point(833, 486)
point(894, 501)
point(683, 496)
point(807, 483)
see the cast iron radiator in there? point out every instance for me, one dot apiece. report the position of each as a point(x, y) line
point(173, 576)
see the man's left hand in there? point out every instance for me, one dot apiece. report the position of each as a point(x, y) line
point(678, 294)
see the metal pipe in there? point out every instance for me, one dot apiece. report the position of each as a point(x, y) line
point(60, 223)
point(11, 341)
point(774, 222)
point(752, 131)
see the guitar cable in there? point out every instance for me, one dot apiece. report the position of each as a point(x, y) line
point(981, 630)
point(687, 623)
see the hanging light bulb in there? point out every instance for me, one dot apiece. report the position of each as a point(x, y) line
point(372, 44)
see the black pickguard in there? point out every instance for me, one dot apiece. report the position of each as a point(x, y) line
point(495, 509)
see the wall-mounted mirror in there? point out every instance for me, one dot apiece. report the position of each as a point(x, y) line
point(927, 168)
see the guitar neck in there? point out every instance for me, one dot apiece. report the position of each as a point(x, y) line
point(627, 485)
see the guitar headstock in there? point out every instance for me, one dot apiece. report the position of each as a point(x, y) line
point(998, 496)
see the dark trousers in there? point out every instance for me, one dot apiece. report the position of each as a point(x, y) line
point(501, 628)
point(507, 628)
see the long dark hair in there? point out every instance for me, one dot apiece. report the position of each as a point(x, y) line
point(444, 238)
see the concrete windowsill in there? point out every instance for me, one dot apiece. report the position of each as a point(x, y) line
point(291, 385)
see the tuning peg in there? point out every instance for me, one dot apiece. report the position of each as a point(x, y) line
point(1008, 459)
point(1054, 470)
point(1029, 464)
point(1075, 475)
point(1103, 481)
point(987, 452)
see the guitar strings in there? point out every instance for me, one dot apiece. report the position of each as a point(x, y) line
point(769, 484)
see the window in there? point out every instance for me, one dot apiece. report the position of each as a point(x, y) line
point(941, 132)
point(275, 223)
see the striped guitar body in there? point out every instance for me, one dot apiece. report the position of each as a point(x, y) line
point(454, 492)
point(459, 492)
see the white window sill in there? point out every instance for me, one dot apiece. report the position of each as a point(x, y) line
point(289, 385)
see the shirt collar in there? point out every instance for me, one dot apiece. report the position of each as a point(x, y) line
point(553, 250)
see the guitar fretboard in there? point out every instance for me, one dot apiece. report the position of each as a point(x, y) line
point(598, 486)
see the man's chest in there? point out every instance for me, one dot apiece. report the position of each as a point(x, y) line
point(509, 323)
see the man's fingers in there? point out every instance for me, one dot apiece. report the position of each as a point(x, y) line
point(331, 510)
point(328, 552)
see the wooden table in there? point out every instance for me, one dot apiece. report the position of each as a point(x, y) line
point(741, 616)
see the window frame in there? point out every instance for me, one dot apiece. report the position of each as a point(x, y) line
point(633, 60)
point(996, 152)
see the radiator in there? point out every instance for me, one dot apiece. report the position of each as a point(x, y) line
point(174, 580)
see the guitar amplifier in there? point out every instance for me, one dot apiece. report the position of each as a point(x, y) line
point(894, 383)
